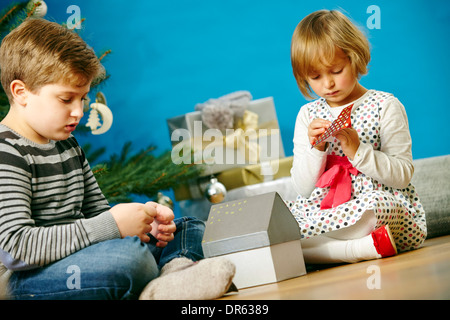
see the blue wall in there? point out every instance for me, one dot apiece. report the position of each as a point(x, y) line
point(169, 55)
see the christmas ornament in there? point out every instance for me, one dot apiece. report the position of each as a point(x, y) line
point(40, 8)
point(342, 121)
point(164, 200)
point(99, 108)
point(215, 191)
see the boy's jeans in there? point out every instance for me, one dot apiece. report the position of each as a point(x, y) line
point(113, 269)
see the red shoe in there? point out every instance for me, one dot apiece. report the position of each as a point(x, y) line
point(384, 242)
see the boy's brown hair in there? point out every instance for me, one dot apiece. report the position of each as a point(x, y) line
point(316, 39)
point(39, 52)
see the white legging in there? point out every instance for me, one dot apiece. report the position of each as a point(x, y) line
point(351, 244)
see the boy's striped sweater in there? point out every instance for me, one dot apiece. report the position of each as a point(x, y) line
point(50, 203)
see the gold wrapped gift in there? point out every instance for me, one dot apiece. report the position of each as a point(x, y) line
point(238, 177)
point(254, 174)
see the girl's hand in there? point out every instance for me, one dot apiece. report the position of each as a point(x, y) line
point(315, 129)
point(349, 141)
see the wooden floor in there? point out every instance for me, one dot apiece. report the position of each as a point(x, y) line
point(419, 274)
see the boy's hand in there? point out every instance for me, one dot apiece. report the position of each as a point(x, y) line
point(134, 219)
point(163, 226)
point(349, 141)
point(315, 129)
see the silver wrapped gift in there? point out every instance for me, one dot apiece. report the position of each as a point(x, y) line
point(254, 138)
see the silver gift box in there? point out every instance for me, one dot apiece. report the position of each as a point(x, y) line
point(193, 142)
point(259, 235)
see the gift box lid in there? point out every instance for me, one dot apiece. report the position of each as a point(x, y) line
point(250, 223)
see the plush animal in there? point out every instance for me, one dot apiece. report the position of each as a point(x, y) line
point(220, 113)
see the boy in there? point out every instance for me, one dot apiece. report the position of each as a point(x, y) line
point(59, 238)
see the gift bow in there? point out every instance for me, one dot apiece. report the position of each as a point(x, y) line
point(245, 142)
point(245, 136)
point(337, 177)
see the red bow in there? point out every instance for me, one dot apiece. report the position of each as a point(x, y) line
point(337, 177)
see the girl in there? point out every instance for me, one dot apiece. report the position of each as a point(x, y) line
point(355, 198)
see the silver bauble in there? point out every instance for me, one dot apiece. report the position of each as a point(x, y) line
point(215, 191)
point(40, 11)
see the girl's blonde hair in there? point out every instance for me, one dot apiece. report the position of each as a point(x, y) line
point(316, 39)
point(40, 52)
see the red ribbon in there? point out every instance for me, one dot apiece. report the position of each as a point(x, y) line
point(337, 177)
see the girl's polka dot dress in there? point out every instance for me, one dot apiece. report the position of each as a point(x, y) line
point(400, 209)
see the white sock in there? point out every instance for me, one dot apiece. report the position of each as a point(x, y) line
point(321, 250)
point(361, 249)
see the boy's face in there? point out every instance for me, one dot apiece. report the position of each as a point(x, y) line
point(336, 82)
point(53, 112)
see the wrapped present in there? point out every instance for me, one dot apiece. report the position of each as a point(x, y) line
point(253, 138)
point(236, 178)
point(259, 235)
point(257, 173)
point(200, 208)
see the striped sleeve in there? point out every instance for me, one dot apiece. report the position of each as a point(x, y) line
point(99, 223)
point(41, 207)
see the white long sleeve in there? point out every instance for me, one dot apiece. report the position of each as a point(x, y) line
point(391, 165)
point(308, 164)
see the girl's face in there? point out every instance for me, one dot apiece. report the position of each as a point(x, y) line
point(336, 82)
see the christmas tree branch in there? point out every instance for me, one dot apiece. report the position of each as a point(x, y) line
point(141, 174)
point(9, 14)
point(33, 9)
point(104, 54)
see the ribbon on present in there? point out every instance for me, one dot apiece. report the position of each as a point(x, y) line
point(244, 137)
point(337, 177)
point(237, 140)
point(245, 127)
